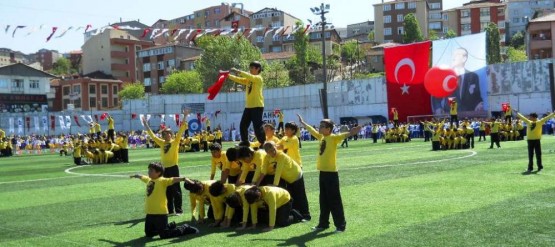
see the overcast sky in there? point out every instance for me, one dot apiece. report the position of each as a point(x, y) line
point(98, 13)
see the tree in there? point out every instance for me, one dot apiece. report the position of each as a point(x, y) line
point(61, 67)
point(182, 82)
point(516, 55)
point(493, 54)
point(450, 34)
point(224, 53)
point(371, 36)
point(306, 57)
point(517, 40)
point(276, 75)
point(352, 53)
point(412, 30)
point(132, 91)
point(432, 35)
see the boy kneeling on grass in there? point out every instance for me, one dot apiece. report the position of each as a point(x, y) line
point(156, 209)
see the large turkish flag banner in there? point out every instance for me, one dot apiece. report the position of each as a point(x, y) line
point(405, 69)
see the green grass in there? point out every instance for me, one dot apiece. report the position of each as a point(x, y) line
point(393, 195)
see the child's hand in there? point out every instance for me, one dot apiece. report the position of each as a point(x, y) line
point(301, 119)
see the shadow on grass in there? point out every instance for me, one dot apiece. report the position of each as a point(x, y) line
point(525, 173)
point(142, 241)
point(131, 223)
point(299, 240)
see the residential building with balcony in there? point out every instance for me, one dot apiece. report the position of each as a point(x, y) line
point(47, 58)
point(74, 58)
point(360, 30)
point(389, 18)
point(95, 91)
point(519, 12)
point(24, 89)
point(113, 52)
point(474, 16)
point(541, 37)
point(157, 63)
point(8, 56)
point(268, 19)
point(332, 40)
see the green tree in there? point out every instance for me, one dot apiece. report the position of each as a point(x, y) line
point(517, 40)
point(493, 54)
point(432, 35)
point(450, 34)
point(353, 53)
point(224, 53)
point(182, 82)
point(276, 75)
point(306, 58)
point(412, 30)
point(516, 55)
point(61, 67)
point(372, 36)
point(132, 91)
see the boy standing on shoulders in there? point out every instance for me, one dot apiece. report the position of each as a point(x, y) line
point(330, 195)
point(156, 221)
point(533, 136)
point(254, 105)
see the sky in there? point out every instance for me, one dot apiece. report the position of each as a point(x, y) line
point(98, 13)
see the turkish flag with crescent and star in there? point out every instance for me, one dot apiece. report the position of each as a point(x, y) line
point(405, 68)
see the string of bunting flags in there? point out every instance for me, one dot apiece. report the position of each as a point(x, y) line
point(153, 33)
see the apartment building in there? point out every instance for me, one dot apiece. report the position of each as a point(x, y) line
point(24, 89)
point(541, 37)
point(519, 12)
point(268, 19)
point(474, 16)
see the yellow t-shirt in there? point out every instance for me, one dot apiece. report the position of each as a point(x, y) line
point(234, 168)
point(169, 151)
point(328, 149)
point(110, 123)
point(534, 128)
point(218, 163)
point(283, 167)
point(219, 201)
point(291, 148)
point(198, 200)
point(255, 165)
point(156, 201)
point(253, 88)
point(97, 128)
point(274, 197)
point(280, 117)
point(219, 134)
point(453, 110)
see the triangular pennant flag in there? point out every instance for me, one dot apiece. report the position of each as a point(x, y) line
point(87, 28)
point(141, 117)
point(145, 32)
point(306, 29)
point(15, 29)
point(64, 32)
point(76, 118)
point(51, 34)
point(7, 29)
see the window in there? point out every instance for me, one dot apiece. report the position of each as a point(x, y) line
point(516, 20)
point(400, 18)
point(76, 89)
point(171, 63)
point(483, 25)
point(435, 16)
point(445, 29)
point(387, 19)
point(260, 39)
point(515, 12)
point(17, 84)
point(400, 30)
point(276, 24)
point(387, 31)
point(126, 61)
point(104, 89)
point(465, 13)
point(115, 90)
point(500, 11)
point(34, 84)
point(276, 38)
point(92, 89)
point(217, 10)
point(3, 83)
point(387, 7)
point(207, 24)
point(216, 23)
point(162, 79)
point(65, 103)
point(146, 67)
point(77, 103)
point(501, 24)
point(400, 6)
point(484, 11)
point(160, 65)
point(104, 102)
point(435, 5)
point(114, 102)
point(92, 102)
point(446, 17)
point(434, 25)
point(206, 12)
point(66, 91)
point(147, 82)
point(465, 27)
point(276, 49)
point(412, 5)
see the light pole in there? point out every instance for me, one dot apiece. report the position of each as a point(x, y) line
point(322, 11)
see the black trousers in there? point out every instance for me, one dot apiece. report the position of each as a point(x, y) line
point(494, 138)
point(509, 119)
point(232, 179)
point(124, 155)
point(282, 215)
point(254, 116)
point(298, 194)
point(77, 161)
point(111, 134)
point(427, 136)
point(280, 127)
point(374, 137)
point(482, 134)
point(470, 139)
point(330, 201)
point(454, 119)
point(534, 146)
point(249, 177)
point(345, 142)
point(173, 192)
point(205, 146)
point(157, 224)
point(435, 145)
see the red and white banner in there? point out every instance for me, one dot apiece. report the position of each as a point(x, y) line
point(405, 68)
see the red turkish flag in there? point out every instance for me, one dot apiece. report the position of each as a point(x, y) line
point(405, 68)
point(215, 89)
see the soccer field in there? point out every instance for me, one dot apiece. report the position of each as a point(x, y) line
point(397, 194)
